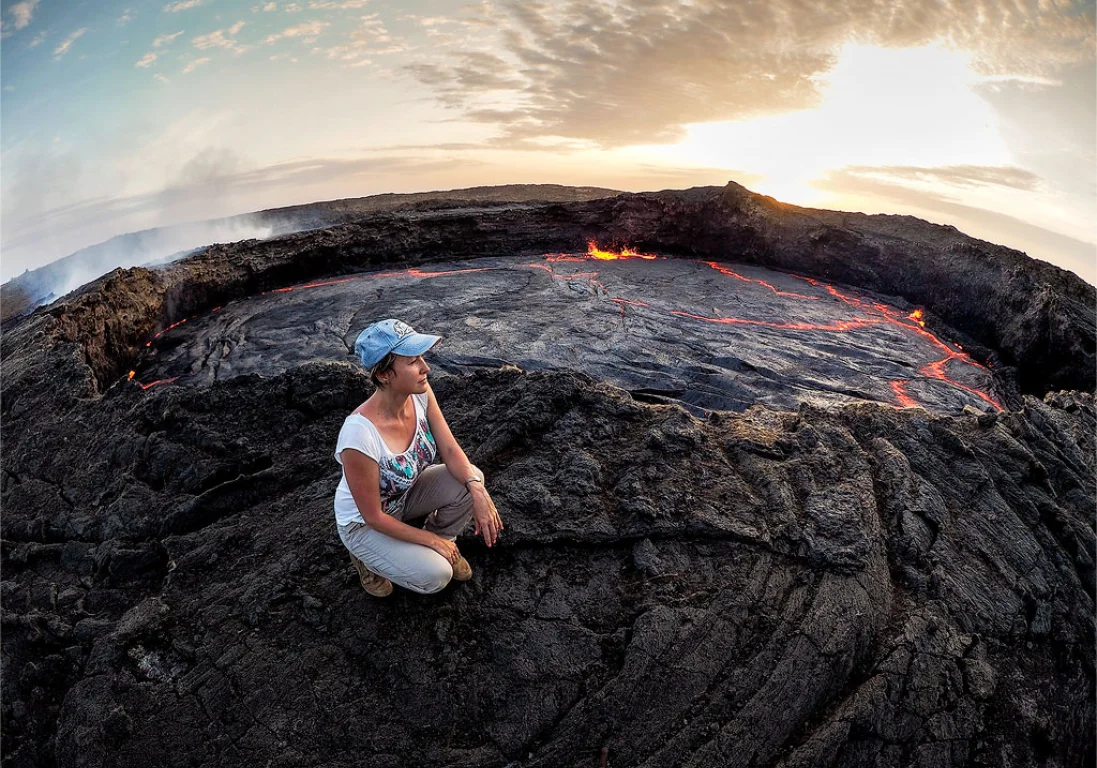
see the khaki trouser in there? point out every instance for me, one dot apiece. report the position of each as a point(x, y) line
point(447, 506)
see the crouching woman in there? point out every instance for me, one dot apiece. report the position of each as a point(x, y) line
point(397, 512)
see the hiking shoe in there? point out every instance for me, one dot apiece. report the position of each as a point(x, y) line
point(462, 571)
point(376, 585)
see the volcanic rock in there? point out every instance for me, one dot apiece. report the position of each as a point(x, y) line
point(854, 584)
point(722, 339)
point(34, 287)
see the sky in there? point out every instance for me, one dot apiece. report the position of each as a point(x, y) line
point(121, 116)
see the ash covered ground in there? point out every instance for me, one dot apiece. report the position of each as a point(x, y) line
point(788, 571)
point(668, 330)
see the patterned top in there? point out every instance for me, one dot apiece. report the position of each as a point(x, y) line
point(398, 471)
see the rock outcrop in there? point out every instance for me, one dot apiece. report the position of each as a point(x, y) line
point(854, 586)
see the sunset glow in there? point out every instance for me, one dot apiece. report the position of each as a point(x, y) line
point(976, 115)
point(878, 107)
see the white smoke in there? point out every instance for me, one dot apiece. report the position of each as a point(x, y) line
point(149, 248)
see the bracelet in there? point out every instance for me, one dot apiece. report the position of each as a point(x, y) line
point(474, 479)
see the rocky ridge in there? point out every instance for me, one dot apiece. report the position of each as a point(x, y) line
point(857, 586)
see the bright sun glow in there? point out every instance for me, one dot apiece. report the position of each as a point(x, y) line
point(880, 106)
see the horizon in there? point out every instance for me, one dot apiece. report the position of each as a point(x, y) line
point(121, 117)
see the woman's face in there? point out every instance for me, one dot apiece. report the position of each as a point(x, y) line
point(409, 374)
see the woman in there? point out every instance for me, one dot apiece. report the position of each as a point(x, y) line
point(386, 448)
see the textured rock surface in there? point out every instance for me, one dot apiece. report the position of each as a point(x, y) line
point(721, 339)
point(858, 586)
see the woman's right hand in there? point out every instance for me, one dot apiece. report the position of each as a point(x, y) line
point(446, 548)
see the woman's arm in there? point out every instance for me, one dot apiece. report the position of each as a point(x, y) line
point(364, 480)
point(457, 463)
point(450, 452)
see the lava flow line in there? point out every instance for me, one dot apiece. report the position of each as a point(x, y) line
point(837, 325)
point(410, 272)
point(731, 273)
point(899, 387)
point(151, 384)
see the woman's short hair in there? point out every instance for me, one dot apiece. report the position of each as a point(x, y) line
point(383, 366)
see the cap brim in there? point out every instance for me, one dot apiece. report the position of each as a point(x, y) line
point(415, 344)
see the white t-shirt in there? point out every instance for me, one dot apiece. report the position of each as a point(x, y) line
point(398, 471)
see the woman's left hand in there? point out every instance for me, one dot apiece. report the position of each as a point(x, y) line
point(488, 522)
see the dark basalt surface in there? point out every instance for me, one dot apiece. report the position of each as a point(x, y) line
point(852, 585)
point(718, 339)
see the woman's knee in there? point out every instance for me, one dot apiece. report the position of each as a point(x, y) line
point(433, 577)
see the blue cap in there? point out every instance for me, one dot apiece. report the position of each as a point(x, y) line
point(391, 336)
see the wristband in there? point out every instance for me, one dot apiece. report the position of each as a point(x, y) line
point(474, 479)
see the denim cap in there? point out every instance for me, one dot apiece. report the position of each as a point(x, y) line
point(391, 336)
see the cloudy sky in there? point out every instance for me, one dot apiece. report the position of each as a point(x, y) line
point(119, 116)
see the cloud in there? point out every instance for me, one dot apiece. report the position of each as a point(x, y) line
point(151, 56)
point(270, 7)
point(430, 21)
point(371, 38)
point(337, 4)
point(160, 78)
point(1055, 247)
point(209, 165)
point(954, 175)
point(127, 16)
point(221, 38)
point(9, 88)
point(182, 5)
point(22, 13)
point(163, 40)
point(63, 48)
point(637, 72)
point(195, 65)
point(38, 40)
point(308, 32)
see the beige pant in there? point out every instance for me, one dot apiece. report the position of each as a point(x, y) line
point(446, 505)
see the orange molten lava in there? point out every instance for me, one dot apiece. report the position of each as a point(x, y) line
point(916, 316)
point(316, 285)
point(152, 384)
point(900, 390)
point(837, 325)
point(594, 252)
point(725, 271)
point(412, 272)
point(161, 333)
